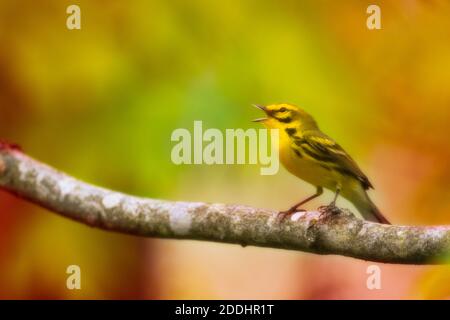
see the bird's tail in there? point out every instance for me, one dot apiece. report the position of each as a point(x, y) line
point(368, 209)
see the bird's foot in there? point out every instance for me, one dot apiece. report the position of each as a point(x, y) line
point(284, 214)
point(329, 211)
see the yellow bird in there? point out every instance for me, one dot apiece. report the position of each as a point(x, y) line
point(312, 156)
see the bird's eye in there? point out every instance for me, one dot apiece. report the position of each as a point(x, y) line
point(283, 109)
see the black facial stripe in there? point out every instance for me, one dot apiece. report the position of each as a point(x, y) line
point(291, 131)
point(284, 120)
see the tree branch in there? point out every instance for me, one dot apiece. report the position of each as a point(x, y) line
point(325, 232)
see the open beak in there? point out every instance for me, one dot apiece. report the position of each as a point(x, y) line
point(261, 108)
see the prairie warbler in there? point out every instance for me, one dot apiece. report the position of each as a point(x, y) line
point(312, 156)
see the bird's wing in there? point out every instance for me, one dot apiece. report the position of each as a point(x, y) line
point(322, 148)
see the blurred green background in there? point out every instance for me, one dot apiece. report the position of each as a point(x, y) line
point(101, 103)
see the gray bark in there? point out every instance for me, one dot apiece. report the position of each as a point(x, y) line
point(326, 231)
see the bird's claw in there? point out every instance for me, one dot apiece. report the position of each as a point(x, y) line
point(328, 211)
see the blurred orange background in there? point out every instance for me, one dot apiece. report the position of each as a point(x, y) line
point(100, 103)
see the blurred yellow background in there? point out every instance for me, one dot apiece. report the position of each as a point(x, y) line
point(100, 103)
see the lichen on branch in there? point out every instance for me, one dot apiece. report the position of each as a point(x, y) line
point(326, 231)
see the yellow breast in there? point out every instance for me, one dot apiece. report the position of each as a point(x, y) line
point(303, 167)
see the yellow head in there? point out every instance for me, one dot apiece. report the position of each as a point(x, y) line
point(286, 115)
